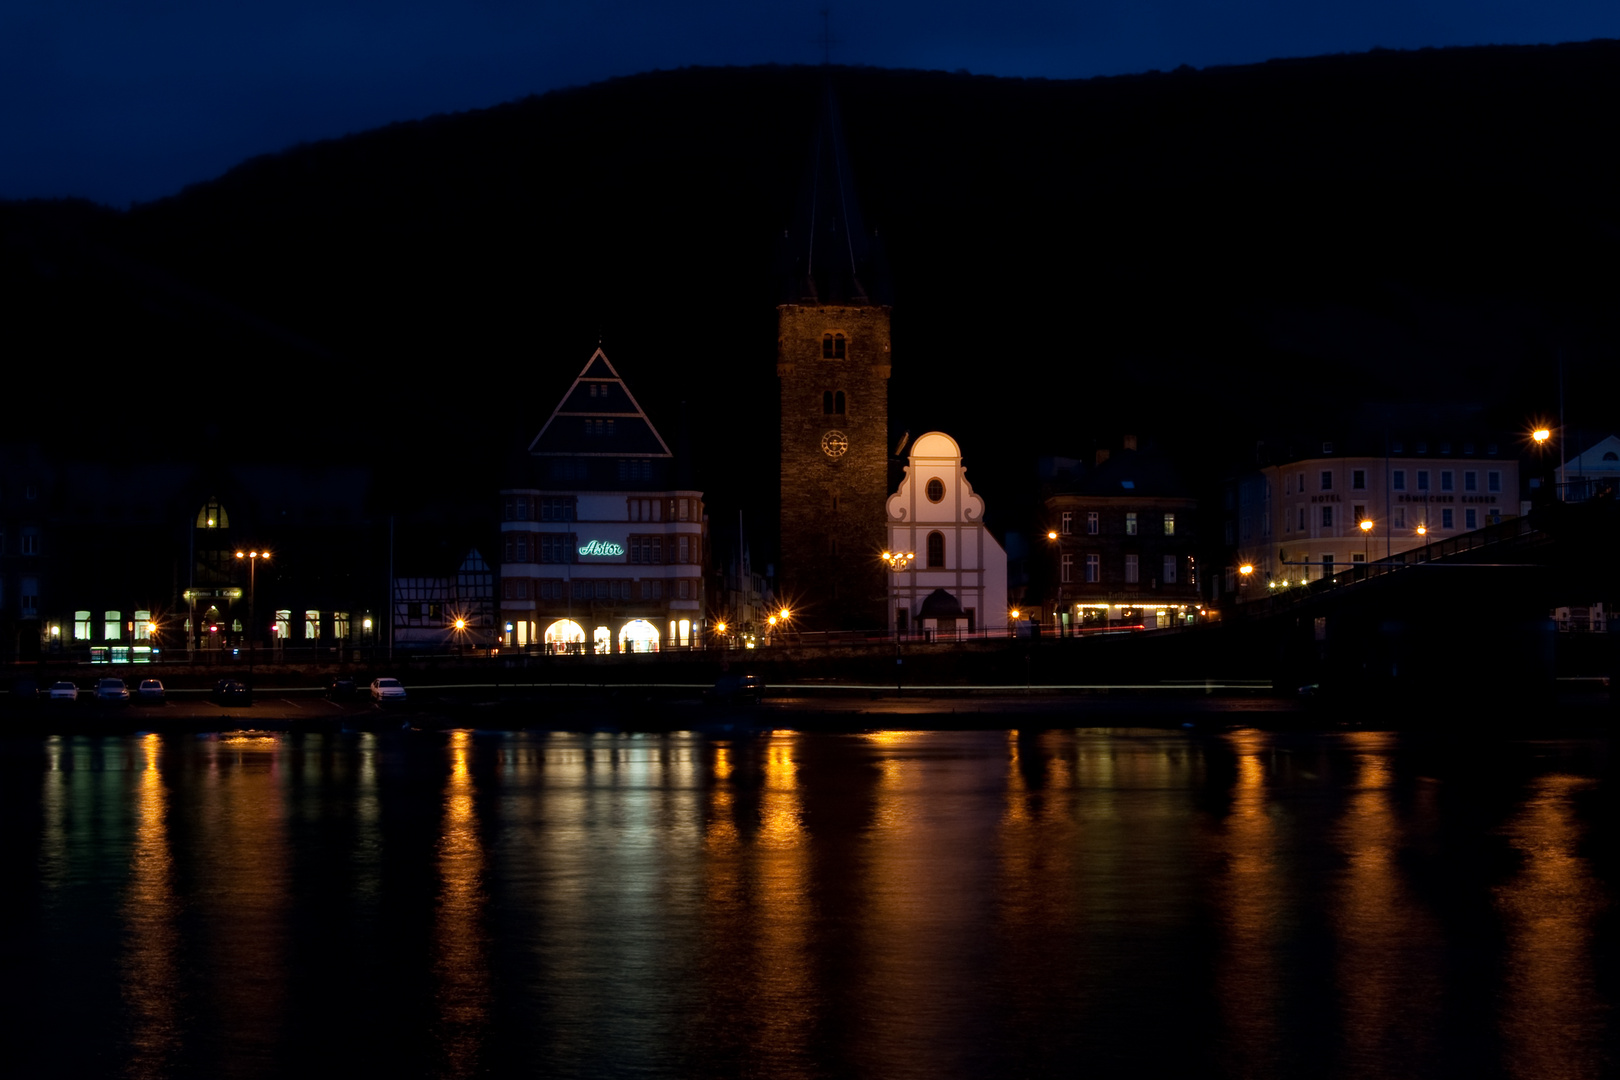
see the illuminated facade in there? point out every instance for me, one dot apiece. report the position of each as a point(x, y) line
point(1303, 520)
point(602, 549)
point(957, 580)
point(1123, 538)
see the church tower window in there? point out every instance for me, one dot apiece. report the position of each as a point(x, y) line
point(936, 550)
point(832, 345)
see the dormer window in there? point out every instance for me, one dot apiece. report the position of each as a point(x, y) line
point(832, 345)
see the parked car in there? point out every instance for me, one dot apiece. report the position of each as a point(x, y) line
point(64, 691)
point(112, 691)
point(232, 692)
point(387, 691)
point(151, 692)
point(341, 688)
point(25, 688)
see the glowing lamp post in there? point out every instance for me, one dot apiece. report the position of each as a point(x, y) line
point(252, 558)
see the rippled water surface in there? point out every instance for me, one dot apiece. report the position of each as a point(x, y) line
point(892, 904)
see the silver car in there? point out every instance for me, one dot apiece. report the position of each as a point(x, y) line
point(387, 690)
point(112, 690)
point(63, 691)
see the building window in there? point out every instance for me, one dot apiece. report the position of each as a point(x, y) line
point(1067, 564)
point(1471, 518)
point(29, 601)
point(1358, 479)
point(29, 541)
point(1327, 565)
point(1130, 523)
point(1494, 515)
point(1446, 483)
point(1302, 519)
point(1423, 479)
point(112, 625)
point(684, 549)
point(1400, 517)
point(557, 548)
point(1068, 522)
point(213, 516)
point(1327, 517)
point(936, 549)
point(832, 346)
point(557, 508)
point(1133, 571)
point(1327, 480)
point(1093, 569)
point(1169, 524)
point(1446, 518)
point(832, 402)
point(81, 626)
point(1493, 481)
point(312, 626)
point(1361, 514)
point(935, 490)
point(1169, 569)
point(1093, 522)
point(1470, 480)
point(1398, 480)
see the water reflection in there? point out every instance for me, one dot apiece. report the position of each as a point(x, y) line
point(1389, 961)
point(241, 838)
point(151, 981)
point(1252, 895)
point(1553, 1021)
point(460, 944)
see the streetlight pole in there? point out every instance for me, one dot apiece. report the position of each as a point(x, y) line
point(252, 558)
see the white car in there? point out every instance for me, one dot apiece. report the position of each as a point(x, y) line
point(64, 691)
point(387, 690)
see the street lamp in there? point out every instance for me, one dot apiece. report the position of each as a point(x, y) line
point(252, 558)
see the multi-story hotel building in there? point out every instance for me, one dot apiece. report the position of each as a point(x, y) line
point(602, 549)
point(1313, 516)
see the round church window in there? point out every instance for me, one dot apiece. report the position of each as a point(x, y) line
point(935, 490)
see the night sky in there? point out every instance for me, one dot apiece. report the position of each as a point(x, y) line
point(127, 102)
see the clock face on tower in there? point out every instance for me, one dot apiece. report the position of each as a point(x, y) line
point(834, 443)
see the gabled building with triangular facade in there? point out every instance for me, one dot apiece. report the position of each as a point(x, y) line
point(603, 545)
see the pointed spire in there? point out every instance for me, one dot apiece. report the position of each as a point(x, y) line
point(830, 257)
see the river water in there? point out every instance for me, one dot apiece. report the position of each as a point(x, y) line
point(887, 904)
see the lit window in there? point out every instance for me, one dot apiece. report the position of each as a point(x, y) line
point(1130, 523)
point(81, 626)
point(112, 625)
point(143, 626)
point(1169, 524)
point(312, 626)
point(936, 549)
point(213, 516)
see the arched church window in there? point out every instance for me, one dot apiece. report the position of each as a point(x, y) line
point(832, 345)
point(832, 402)
point(936, 550)
point(213, 516)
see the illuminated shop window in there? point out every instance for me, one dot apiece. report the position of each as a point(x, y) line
point(112, 625)
point(564, 635)
point(604, 641)
point(638, 636)
point(81, 626)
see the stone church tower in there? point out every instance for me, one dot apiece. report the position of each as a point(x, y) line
point(832, 361)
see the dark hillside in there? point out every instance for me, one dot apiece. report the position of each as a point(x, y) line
point(1205, 255)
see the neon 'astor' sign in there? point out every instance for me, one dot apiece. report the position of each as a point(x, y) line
point(601, 547)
